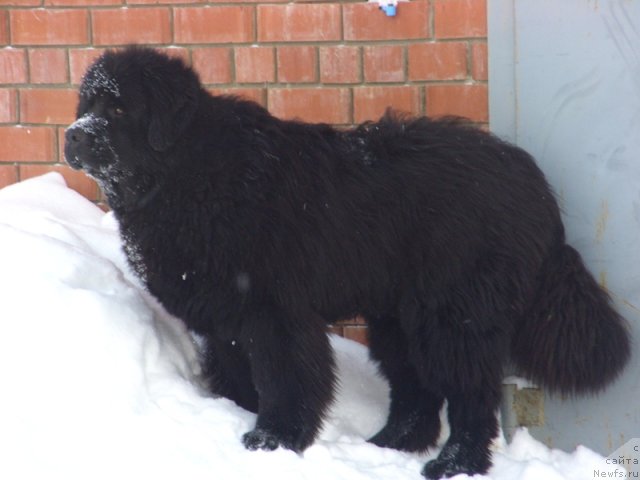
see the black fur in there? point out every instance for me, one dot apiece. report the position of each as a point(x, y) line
point(257, 231)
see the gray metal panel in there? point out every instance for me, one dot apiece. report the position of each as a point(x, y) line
point(567, 89)
point(502, 72)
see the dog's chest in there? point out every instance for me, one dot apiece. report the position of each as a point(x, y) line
point(133, 251)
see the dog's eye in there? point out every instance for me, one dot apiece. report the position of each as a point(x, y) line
point(116, 111)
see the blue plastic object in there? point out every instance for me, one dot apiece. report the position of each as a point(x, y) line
point(389, 10)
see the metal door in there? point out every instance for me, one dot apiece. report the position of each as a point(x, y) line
point(564, 82)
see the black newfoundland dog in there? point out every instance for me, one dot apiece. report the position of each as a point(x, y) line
point(258, 231)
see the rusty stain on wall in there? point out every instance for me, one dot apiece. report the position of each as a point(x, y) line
point(630, 305)
point(601, 221)
point(528, 405)
point(602, 279)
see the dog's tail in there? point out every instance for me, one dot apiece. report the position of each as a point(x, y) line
point(571, 340)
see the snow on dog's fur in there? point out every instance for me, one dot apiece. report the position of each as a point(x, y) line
point(257, 231)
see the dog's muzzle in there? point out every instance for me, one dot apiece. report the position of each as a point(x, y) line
point(73, 139)
point(85, 139)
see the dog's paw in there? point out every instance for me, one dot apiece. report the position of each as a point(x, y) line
point(405, 441)
point(436, 469)
point(390, 438)
point(260, 439)
point(450, 466)
point(416, 434)
point(384, 439)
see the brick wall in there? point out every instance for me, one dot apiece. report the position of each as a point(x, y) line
point(334, 61)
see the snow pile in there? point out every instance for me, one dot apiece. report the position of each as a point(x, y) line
point(99, 382)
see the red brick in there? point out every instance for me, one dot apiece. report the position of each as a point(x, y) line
point(359, 320)
point(325, 105)
point(27, 144)
point(48, 105)
point(363, 21)
point(165, 2)
point(48, 65)
point(21, 3)
point(75, 179)
point(251, 1)
point(8, 175)
point(255, 94)
point(13, 66)
point(356, 333)
point(438, 61)
point(213, 64)
point(479, 61)
point(4, 27)
point(297, 22)
point(460, 18)
point(254, 64)
point(80, 60)
point(470, 101)
point(183, 53)
point(297, 64)
point(60, 142)
point(8, 105)
point(369, 103)
point(217, 24)
point(336, 330)
point(82, 3)
point(383, 63)
point(131, 25)
point(49, 27)
point(340, 64)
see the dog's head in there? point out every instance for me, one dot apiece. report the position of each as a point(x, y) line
point(135, 105)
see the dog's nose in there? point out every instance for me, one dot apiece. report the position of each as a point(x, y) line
point(74, 139)
point(74, 135)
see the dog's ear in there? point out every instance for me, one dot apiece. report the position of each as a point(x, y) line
point(173, 100)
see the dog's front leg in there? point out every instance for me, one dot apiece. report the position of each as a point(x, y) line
point(292, 369)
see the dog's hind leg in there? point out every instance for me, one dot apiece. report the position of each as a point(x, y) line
point(474, 425)
point(414, 415)
point(466, 361)
point(460, 344)
point(292, 368)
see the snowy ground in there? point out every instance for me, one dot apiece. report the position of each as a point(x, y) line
point(98, 382)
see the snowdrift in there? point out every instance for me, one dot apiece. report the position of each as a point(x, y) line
point(99, 382)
